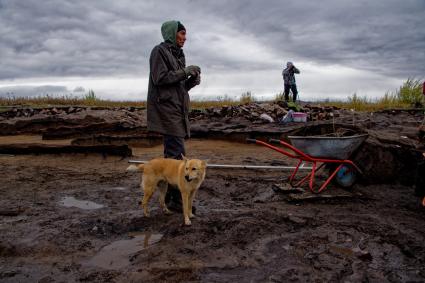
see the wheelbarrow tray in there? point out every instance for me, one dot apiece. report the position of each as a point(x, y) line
point(328, 147)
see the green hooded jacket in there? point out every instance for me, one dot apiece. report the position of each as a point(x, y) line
point(168, 97)
point(169, 31)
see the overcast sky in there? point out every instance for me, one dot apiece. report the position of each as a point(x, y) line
point(341, 47)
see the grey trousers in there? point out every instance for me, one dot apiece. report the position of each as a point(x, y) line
point(174, 147)
point(294, 90)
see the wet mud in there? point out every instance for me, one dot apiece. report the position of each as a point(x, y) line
point(76, 217)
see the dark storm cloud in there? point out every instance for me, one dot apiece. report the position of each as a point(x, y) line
point(71, 38)
point(114, 38)
point(383, 36)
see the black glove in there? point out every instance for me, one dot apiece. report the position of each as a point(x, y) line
point(198, 80)
point(192, 70)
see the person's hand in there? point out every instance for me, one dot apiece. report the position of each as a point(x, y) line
point(192, 70)
point(198, 80)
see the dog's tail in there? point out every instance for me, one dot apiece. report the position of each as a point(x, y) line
point(135, 168)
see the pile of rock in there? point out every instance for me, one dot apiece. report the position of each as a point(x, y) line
point(251, 112)
point(29, 111)
point(256, 112)
point(319, 113)
point(59, 110)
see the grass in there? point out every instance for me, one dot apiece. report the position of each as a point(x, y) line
point(411, 92)
point(408, 95)
point(247, 98)
point(90, 100)
point(66, 100)
point(358, 103)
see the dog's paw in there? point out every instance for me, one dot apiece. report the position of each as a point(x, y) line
point(187, 222)
point(192, 215)
point(168, 212)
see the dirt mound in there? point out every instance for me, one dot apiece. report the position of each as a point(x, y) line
point(391, 153)
point(252, 112)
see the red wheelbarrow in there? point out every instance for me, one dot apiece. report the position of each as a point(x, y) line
point(330, 152)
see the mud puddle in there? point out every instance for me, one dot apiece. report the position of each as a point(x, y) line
point(83, 204)
point(119, 253)
point(118, 189)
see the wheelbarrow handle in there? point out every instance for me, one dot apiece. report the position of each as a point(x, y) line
point(274, 141)
point(251, 140)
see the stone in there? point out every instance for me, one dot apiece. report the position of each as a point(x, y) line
point(266, 118)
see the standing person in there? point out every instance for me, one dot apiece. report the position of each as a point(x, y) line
point(289, 81)
point(168, 97)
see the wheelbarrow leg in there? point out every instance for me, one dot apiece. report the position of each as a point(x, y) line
point(295, 172)
point(303, 180)
point(313, 171)
point(309, 175)
point(330, 178)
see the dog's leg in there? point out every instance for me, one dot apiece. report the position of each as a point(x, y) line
point(163, 187)
point(191, 197)
point(148, 190)
point(185, 199)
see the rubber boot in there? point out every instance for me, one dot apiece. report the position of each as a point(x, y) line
point(173, 200)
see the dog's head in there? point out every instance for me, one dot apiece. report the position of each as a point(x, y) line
point(194, 169)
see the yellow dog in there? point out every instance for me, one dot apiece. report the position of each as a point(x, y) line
point(186, 174)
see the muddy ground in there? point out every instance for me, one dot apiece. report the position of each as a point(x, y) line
point(76, 217)
point(243, 231)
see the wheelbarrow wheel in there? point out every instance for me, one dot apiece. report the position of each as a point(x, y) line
point(346, 176)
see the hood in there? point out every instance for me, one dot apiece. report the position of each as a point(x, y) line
point(169, 31)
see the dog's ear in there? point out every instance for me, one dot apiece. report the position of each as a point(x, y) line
point(184, 157)
point(204, 163)
point(185, 160)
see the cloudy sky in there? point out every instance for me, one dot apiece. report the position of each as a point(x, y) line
point(341, 47)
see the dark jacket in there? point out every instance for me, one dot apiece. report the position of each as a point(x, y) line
point(168, 97)
point(288, 75)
